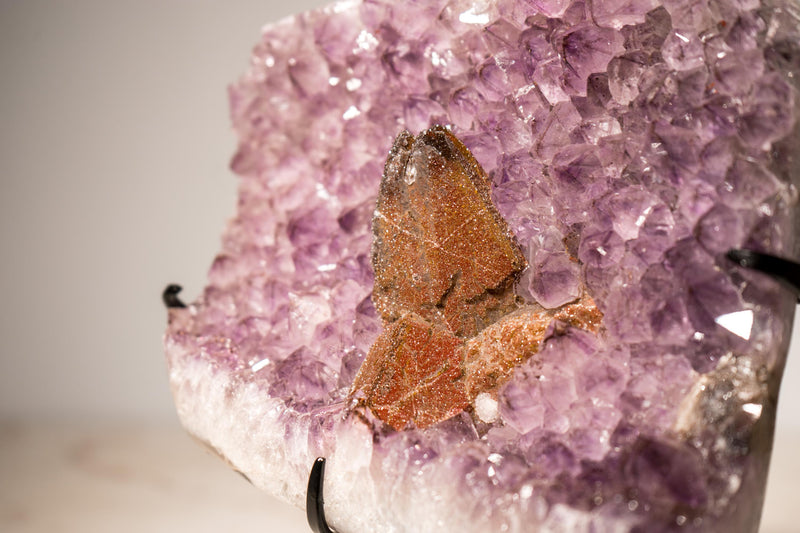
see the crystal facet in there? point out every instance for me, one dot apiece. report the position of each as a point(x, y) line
point(627, 145)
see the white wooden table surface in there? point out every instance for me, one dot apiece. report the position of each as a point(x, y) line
point(146, 478)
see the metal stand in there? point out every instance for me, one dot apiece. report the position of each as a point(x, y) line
point(170, 297)
point(784, 270)
point(315, 511)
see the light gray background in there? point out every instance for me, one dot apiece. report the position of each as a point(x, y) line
point(115, 181)
point(114, 173)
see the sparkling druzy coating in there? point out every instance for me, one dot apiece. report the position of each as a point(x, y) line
point(413, 374)
point(627, 145)
point(441, 248)
point(445, 265)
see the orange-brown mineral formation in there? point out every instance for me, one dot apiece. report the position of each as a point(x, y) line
point(445, 266)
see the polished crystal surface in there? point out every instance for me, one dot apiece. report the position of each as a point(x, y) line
point(629, 144)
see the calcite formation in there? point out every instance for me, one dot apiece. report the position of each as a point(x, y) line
point(627, 146)
point(445, 265)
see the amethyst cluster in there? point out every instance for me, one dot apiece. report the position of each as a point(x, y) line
point(630, 143)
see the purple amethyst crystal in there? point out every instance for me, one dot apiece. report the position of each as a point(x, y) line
point(630, 144)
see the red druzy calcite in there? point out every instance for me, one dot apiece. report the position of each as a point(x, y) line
point(413, 374)
point(445, 266)
point(441, 248)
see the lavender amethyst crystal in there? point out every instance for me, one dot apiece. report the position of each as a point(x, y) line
point(630, 143)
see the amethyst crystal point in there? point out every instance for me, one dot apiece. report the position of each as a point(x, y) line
point(628, 145)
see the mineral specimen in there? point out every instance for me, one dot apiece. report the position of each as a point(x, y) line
point(441, 248)
point(627, 145)
point(445, 265)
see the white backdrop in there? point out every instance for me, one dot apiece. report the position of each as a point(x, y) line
point(115, 182)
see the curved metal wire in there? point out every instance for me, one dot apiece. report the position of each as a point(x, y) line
point(784, 270)
point(315, 511)
point(170, 297)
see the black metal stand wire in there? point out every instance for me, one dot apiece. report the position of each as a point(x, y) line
point(785, 271)
point(170, 297)
point(315, 511)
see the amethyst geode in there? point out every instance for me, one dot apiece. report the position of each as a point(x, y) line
point(630, 144)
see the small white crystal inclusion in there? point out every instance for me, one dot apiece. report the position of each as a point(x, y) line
point(366, 41)
point(260, 364)
point(410, 175)
point(486, 407)
point(353, 84)
point(753, 409)
point(477, 14)
point(739, 323)
point(351, 112)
